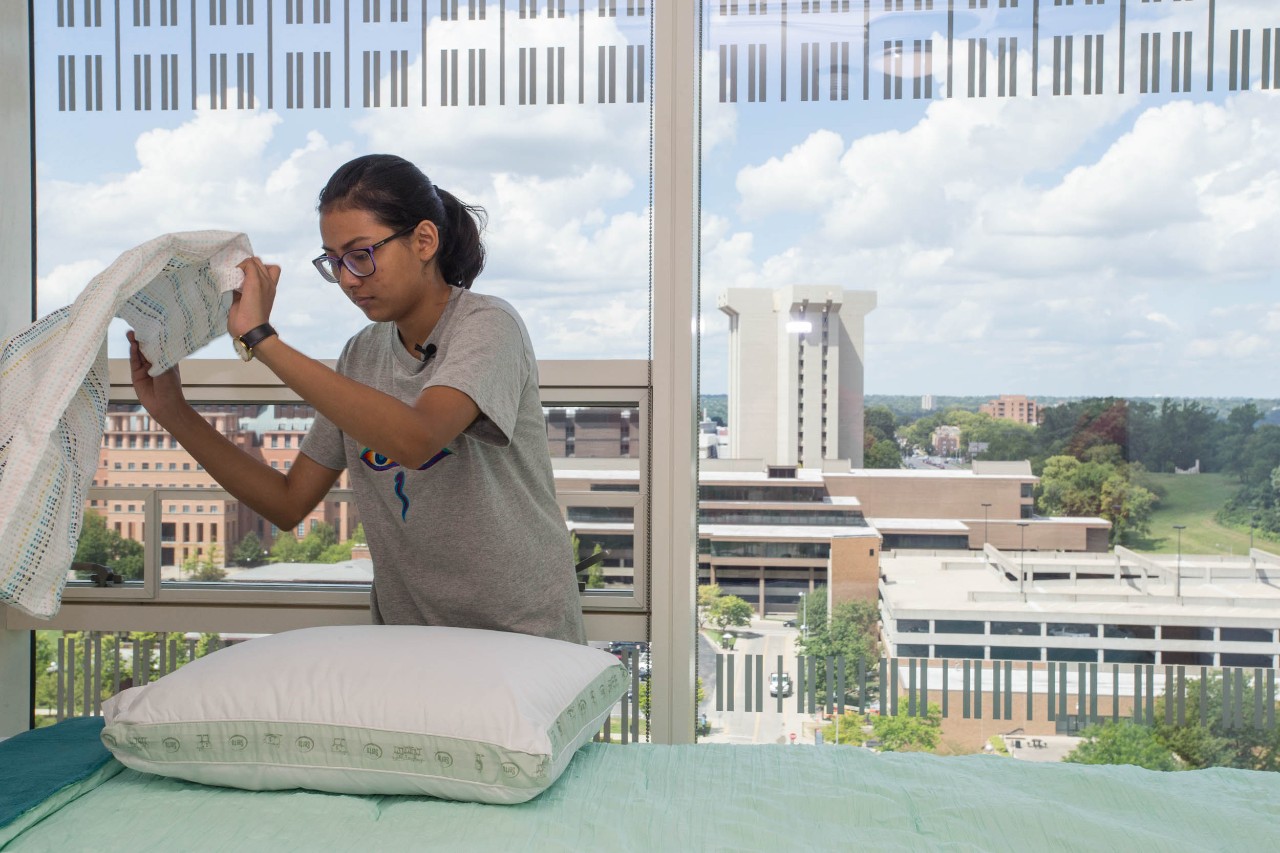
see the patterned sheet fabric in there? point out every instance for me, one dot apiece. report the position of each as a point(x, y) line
point(175, 291)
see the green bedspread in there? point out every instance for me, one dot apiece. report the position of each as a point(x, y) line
point(707, 797)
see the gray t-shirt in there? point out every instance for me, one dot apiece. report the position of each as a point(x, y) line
point(474, 538)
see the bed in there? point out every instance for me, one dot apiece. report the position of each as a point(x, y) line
point(60, 790)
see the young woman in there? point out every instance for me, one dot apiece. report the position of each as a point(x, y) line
point(433, 409)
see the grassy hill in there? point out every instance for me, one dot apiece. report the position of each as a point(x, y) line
point(1193, 499)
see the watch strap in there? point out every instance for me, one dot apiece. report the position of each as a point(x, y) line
point(257, 335)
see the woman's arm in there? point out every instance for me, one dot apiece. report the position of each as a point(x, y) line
point(283, 498)
point(409, 434)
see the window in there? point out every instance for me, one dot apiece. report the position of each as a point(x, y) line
point(1031, 629)
point(805, 122)
point(1248, 635)
point(1128, 632)
point(1072, 629)
point(958, 626)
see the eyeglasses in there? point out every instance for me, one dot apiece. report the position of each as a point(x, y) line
point(358, 261)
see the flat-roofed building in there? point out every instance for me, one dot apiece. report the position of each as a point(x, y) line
point(1121, 608)
point(1013, 407)
point(769, 533)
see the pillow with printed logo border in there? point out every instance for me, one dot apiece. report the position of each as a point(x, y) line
point(456, 713)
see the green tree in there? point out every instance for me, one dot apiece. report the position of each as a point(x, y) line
point(249, 552)
point(851, 633)
point(595, 572)
point(319, 538)
point(1098, 486)
point(339, 552)
point(1123, 742)
point(1214, 743)
point(905, 733)
point(880, 423)
point(286, 548)
point(708, 594)
point(845, 729)
point(1004, 440)
point(730, 611)
point(357, 535)
point(594, 578)
point(206, 569)
point(883, 454)
point(102, 545)
point(1127, 506)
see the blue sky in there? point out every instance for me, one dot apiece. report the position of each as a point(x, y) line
point(1068, 246)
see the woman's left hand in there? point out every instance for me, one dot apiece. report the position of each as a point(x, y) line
point(251, 304)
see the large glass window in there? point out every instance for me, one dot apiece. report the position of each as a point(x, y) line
point(1003, 266)
point(148, 123)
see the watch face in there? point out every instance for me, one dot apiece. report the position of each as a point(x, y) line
point(243, 351)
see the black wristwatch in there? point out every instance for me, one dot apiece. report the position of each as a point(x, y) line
point(245, 343)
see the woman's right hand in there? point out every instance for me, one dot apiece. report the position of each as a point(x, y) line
point(160, 395)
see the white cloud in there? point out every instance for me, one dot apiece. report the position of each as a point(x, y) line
point(64, 283)
point(1071, 242)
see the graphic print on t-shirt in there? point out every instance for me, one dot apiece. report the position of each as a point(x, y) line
point(378, 462)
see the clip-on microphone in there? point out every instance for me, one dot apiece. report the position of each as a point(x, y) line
point(427, 351)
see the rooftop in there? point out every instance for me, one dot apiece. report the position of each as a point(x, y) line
point(1221, 591)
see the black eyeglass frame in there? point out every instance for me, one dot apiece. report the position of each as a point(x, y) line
point(325, 264)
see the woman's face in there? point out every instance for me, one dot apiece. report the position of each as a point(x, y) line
point(398, 283)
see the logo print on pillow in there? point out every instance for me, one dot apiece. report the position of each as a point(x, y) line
point(376, 461)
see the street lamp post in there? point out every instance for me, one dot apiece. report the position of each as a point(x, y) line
point(986, 538)
point(1253, 524)
point(1022, 554)
point(1177, 571)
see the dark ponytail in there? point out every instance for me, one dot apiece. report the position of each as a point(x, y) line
point(461, 257)
point(399, 195)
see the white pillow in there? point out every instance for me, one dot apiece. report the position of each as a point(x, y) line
point(456, 713)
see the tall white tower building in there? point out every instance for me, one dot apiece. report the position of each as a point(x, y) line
point(796, 358)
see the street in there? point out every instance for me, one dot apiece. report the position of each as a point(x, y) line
point(761, 637)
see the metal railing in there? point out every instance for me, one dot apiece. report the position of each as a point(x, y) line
point(96, 665)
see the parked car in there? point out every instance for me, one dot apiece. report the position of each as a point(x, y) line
point(620, 647)
point(780, 684)
point(790, 623)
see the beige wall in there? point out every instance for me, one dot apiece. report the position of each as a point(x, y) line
point(898, 496)
point(854, 571)
point(1041, 535)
